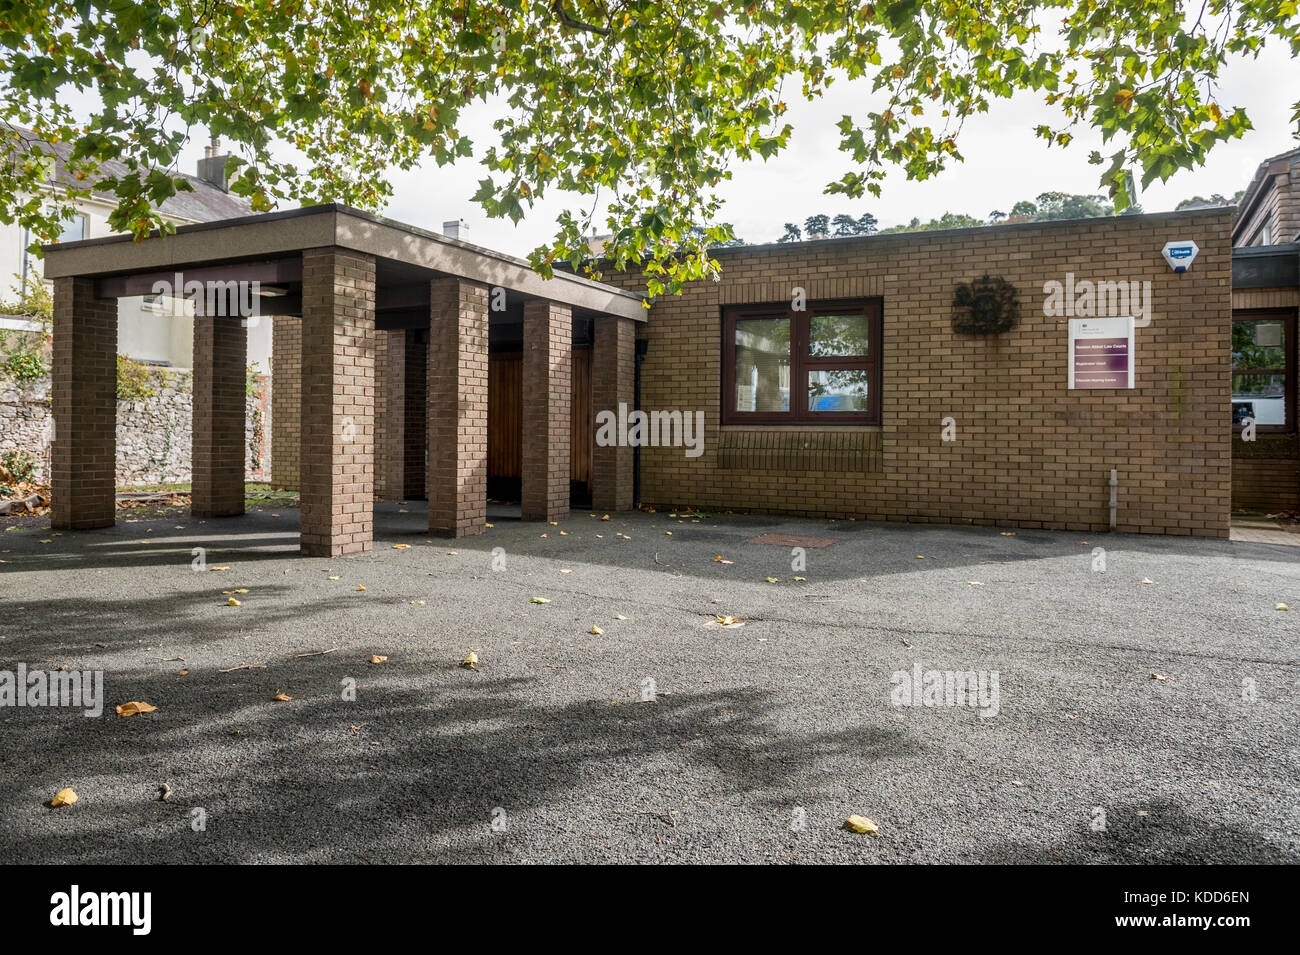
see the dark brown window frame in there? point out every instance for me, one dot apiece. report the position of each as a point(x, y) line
point(1288, 318)
point(801, 363)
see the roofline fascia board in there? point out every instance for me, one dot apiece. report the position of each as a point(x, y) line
point(1255, 192)
point(387, 240)
point(280, 233)
point(199, 245)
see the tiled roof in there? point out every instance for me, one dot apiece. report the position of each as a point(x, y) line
point(206, 203)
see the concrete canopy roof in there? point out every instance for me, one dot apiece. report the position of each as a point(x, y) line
point(277, 235)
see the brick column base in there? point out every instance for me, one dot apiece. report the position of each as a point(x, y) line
point(613, 382)
point(457, 409)
point(217, 412)
point(338, 402)
point(84, 397)
point(548, 413)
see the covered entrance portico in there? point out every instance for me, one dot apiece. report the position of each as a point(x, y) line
point(389, 326)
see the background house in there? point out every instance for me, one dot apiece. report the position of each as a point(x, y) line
point(150, 330)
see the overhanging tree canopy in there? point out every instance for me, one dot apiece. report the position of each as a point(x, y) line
point(642, 104)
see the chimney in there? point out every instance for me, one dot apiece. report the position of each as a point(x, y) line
point(212, 167)
point(456, 229)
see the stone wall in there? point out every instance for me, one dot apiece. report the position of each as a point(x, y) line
point(154, 434)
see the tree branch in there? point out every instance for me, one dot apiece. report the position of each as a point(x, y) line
point(568, 21)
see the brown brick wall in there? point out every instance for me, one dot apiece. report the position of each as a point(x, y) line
point(457, 407)
point(218, 410)
point(338, 406)
point(547, 411)
point(1266, 473)
point(84, 399)
point(415, 429)
point(1029, 451)
point(613, 371)
point(387, 381)
point(286, 400)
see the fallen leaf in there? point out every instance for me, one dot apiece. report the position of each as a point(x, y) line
point(218, 568)
point(539, 600)
point(376, 658)
point(975, 583)
point(471, 661)
point(241, 590)
point(1281, 607)
point(605, 518)
point(1158, 676)
point(418, 603)
point(596, 630)
point(1008, 533)
point(566, 571)
point(359, 587)
point(799, 578)
point(619, 616)
point(132, 708)
point(669, 533)
point(64, 797)
point(772, 580)
point(489, 525)
point(232, 602)
point(401, 547)
point(182, 672)
point(332, 578)
point(1147, 580)
point(281, 697)
point(861, 824)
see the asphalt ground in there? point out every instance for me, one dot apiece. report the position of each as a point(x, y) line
point(1146, 712)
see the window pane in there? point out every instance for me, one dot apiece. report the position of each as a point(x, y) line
point(1258, 344)
point(837, 336)
point(1259, 397)
point(838, 390)
point(74, 230)
point(763, 364)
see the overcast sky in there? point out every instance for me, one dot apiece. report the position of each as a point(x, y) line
point(1004, 163)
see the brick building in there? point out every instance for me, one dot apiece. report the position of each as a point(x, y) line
point(1023, 448)
point(1265, 299)
point(832, 378)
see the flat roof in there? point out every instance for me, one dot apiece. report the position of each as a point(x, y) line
point(259, 237)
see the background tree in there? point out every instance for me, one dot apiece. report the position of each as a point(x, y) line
point(817, 226)
point(640, 107)
point(1216, 199)
point(792, 233)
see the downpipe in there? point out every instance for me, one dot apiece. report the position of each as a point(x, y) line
point(1114, 497)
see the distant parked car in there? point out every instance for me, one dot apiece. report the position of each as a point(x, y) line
point(1263, 409)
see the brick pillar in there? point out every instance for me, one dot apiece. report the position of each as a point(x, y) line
point(390, 415)
point(84, 455)
point(382, 423)
point(217, 412)
point(286, 400)
point(548, 410)
point(338, 402)
point(613, 371)
point(457, 409)
point(416, 428)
